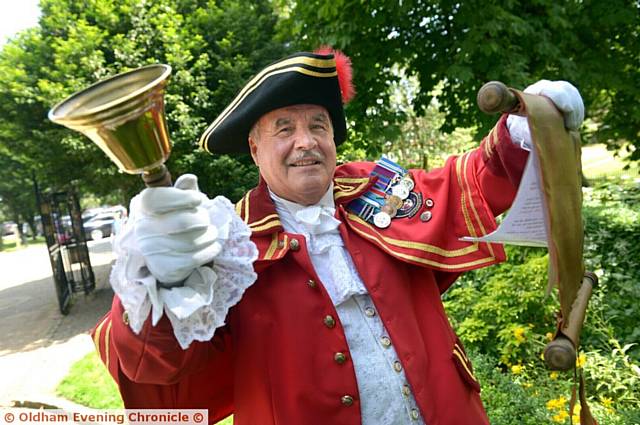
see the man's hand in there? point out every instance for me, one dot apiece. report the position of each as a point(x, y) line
point(563, 95)
point(173, 230)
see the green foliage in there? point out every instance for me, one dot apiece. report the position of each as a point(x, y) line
point(88, 383)
point(504, 399)
point(612, 226)
point(502, 311)
point(213, 47)
point(462, 45)
point(502, 315)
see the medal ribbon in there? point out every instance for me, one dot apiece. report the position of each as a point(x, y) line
point(369, 203)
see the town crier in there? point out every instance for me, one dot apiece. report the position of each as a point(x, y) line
point(316, 298)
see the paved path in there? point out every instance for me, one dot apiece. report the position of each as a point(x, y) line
point(37, 343)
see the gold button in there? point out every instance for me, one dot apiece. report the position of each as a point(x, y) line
point(347, 400)
point(340, 358)
point(329, 321)
point(414, 414)
point(312, 283)
point(385, 341)
point(397, 366)
point(406, 391)
point(369, 311)
point(294, 245)
point(125, 318)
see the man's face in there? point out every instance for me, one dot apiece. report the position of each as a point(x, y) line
point(294, 149)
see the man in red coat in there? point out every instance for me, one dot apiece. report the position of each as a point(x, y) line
point(331, 312)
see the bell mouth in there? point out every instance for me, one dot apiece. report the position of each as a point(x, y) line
point(111, 96)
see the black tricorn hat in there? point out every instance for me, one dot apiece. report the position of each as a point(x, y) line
point(302, 78)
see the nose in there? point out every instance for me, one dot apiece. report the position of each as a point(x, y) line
point(304, 140)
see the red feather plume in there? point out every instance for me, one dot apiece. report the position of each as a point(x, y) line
point(345, 72)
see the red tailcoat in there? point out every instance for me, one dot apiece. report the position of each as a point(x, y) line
point(273, 362)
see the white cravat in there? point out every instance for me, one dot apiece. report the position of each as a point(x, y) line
point(330, 259)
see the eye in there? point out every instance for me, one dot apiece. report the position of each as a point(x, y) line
point(285, 131)
point(318, 127)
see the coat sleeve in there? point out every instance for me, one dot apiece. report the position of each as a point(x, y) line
point(499, 164)
point(460, 199)
point(472, 189)
point(153, 371)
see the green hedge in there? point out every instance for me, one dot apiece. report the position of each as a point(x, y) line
point(503, 316)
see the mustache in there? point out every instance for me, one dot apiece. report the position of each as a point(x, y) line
point(308, 156)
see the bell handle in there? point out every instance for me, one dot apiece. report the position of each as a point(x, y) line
point(157, 177)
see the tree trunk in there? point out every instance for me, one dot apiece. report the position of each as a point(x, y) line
point(32, 225)
point(425, 161)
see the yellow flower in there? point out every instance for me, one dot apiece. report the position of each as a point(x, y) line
point(553, 375)
point(556, 403)
point(581, 360)
point(607, 403)
point(560, 417)
point(517, 369)
point(519, 334)
point(549, 336)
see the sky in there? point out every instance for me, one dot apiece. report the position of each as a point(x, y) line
point(17, 15)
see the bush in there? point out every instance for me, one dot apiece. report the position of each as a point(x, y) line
point(502, 315)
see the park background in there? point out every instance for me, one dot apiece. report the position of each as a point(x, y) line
point(417, 68)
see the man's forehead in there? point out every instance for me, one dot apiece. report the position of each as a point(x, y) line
point(291, 112)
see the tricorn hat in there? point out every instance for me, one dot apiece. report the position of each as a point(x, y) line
point(302, 78)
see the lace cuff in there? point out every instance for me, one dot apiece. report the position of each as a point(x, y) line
point(200, 306)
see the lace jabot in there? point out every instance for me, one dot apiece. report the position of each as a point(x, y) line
point(330, 259)
point(200, 306)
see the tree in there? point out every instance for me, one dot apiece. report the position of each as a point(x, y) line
point(213, 46)
point(461, 45)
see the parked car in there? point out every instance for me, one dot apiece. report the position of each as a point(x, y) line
point(9, 228)
point(101, 225)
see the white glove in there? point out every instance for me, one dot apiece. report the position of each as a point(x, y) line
point(563, 95)
point(174, 232)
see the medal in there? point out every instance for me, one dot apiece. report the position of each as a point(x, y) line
point(391, 195)
point(408, 183)
point(394, 201)
point(425, 216)
point(400, 191)
point(389, 209)
point(382, 220)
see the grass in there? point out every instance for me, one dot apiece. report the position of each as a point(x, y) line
point(598, 162)
point(89, 384)
point(9, 243)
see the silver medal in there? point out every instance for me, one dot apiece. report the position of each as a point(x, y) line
point(408, 183)
point(400, 191)
point(382, 220)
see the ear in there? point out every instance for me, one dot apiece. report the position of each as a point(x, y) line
point(253, 147)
